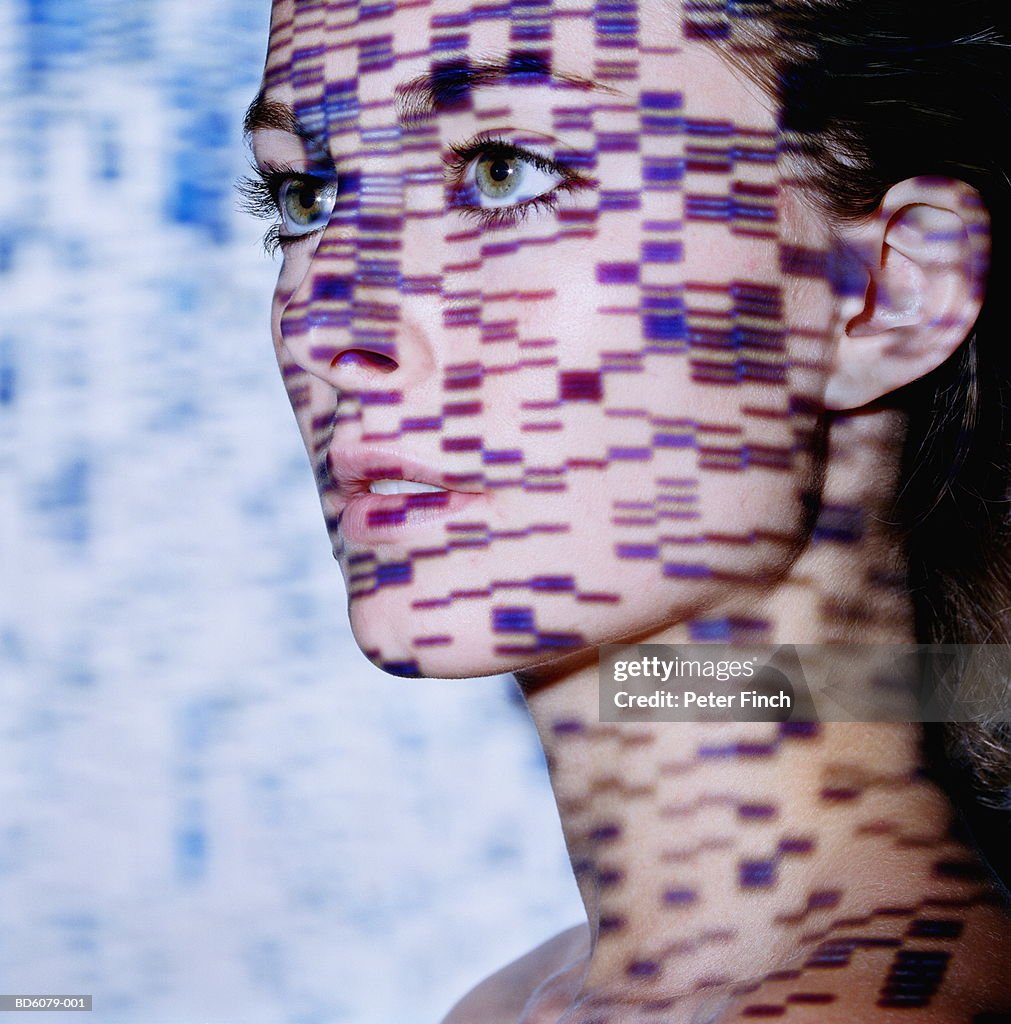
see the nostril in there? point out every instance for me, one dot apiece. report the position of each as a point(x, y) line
point(364, 357)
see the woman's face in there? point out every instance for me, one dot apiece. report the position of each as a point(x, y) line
point(542, 257)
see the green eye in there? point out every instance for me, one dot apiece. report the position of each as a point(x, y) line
point(306, 204)
point(500, 176)
point(497, 175)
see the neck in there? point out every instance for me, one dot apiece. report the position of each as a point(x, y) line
point(727, 865)
point(711, 859)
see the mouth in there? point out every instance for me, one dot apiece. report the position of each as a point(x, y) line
point(404, 487)
point(352, 472)
point(382, 497)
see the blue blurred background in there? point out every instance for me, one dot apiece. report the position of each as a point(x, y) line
point(212, 808)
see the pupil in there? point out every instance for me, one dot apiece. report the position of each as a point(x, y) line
point(307, 197)
point(500, 170)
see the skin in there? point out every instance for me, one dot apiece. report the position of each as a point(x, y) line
point(622, 392)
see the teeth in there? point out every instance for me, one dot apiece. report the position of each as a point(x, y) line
point(401, 487)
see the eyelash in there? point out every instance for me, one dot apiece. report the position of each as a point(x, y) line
point(458, 161)
point(260, 194)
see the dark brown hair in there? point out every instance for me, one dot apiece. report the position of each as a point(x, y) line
point(873, 92)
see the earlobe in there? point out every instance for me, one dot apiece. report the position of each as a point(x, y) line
point(926, 254)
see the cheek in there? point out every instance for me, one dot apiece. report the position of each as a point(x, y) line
point(657, 502)
point(313, 401)
point(295, 379)
point(277, 308)
point(659, 416)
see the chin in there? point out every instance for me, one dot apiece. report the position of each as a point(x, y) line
point(441, 643)
point(481, 636)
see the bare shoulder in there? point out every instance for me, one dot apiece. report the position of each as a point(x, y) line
point(500, 999)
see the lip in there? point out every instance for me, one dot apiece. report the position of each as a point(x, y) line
point(366, 518)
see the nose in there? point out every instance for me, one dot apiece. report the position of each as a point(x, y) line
point(357, 322)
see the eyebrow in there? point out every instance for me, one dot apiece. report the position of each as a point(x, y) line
point(446, 87)
point(264, 114)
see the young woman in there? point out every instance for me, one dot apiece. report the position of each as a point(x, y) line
point(669, 322)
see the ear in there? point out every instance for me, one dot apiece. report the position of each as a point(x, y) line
point(926, 253)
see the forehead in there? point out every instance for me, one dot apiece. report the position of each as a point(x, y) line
point(462, 24)
point(373, 48)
